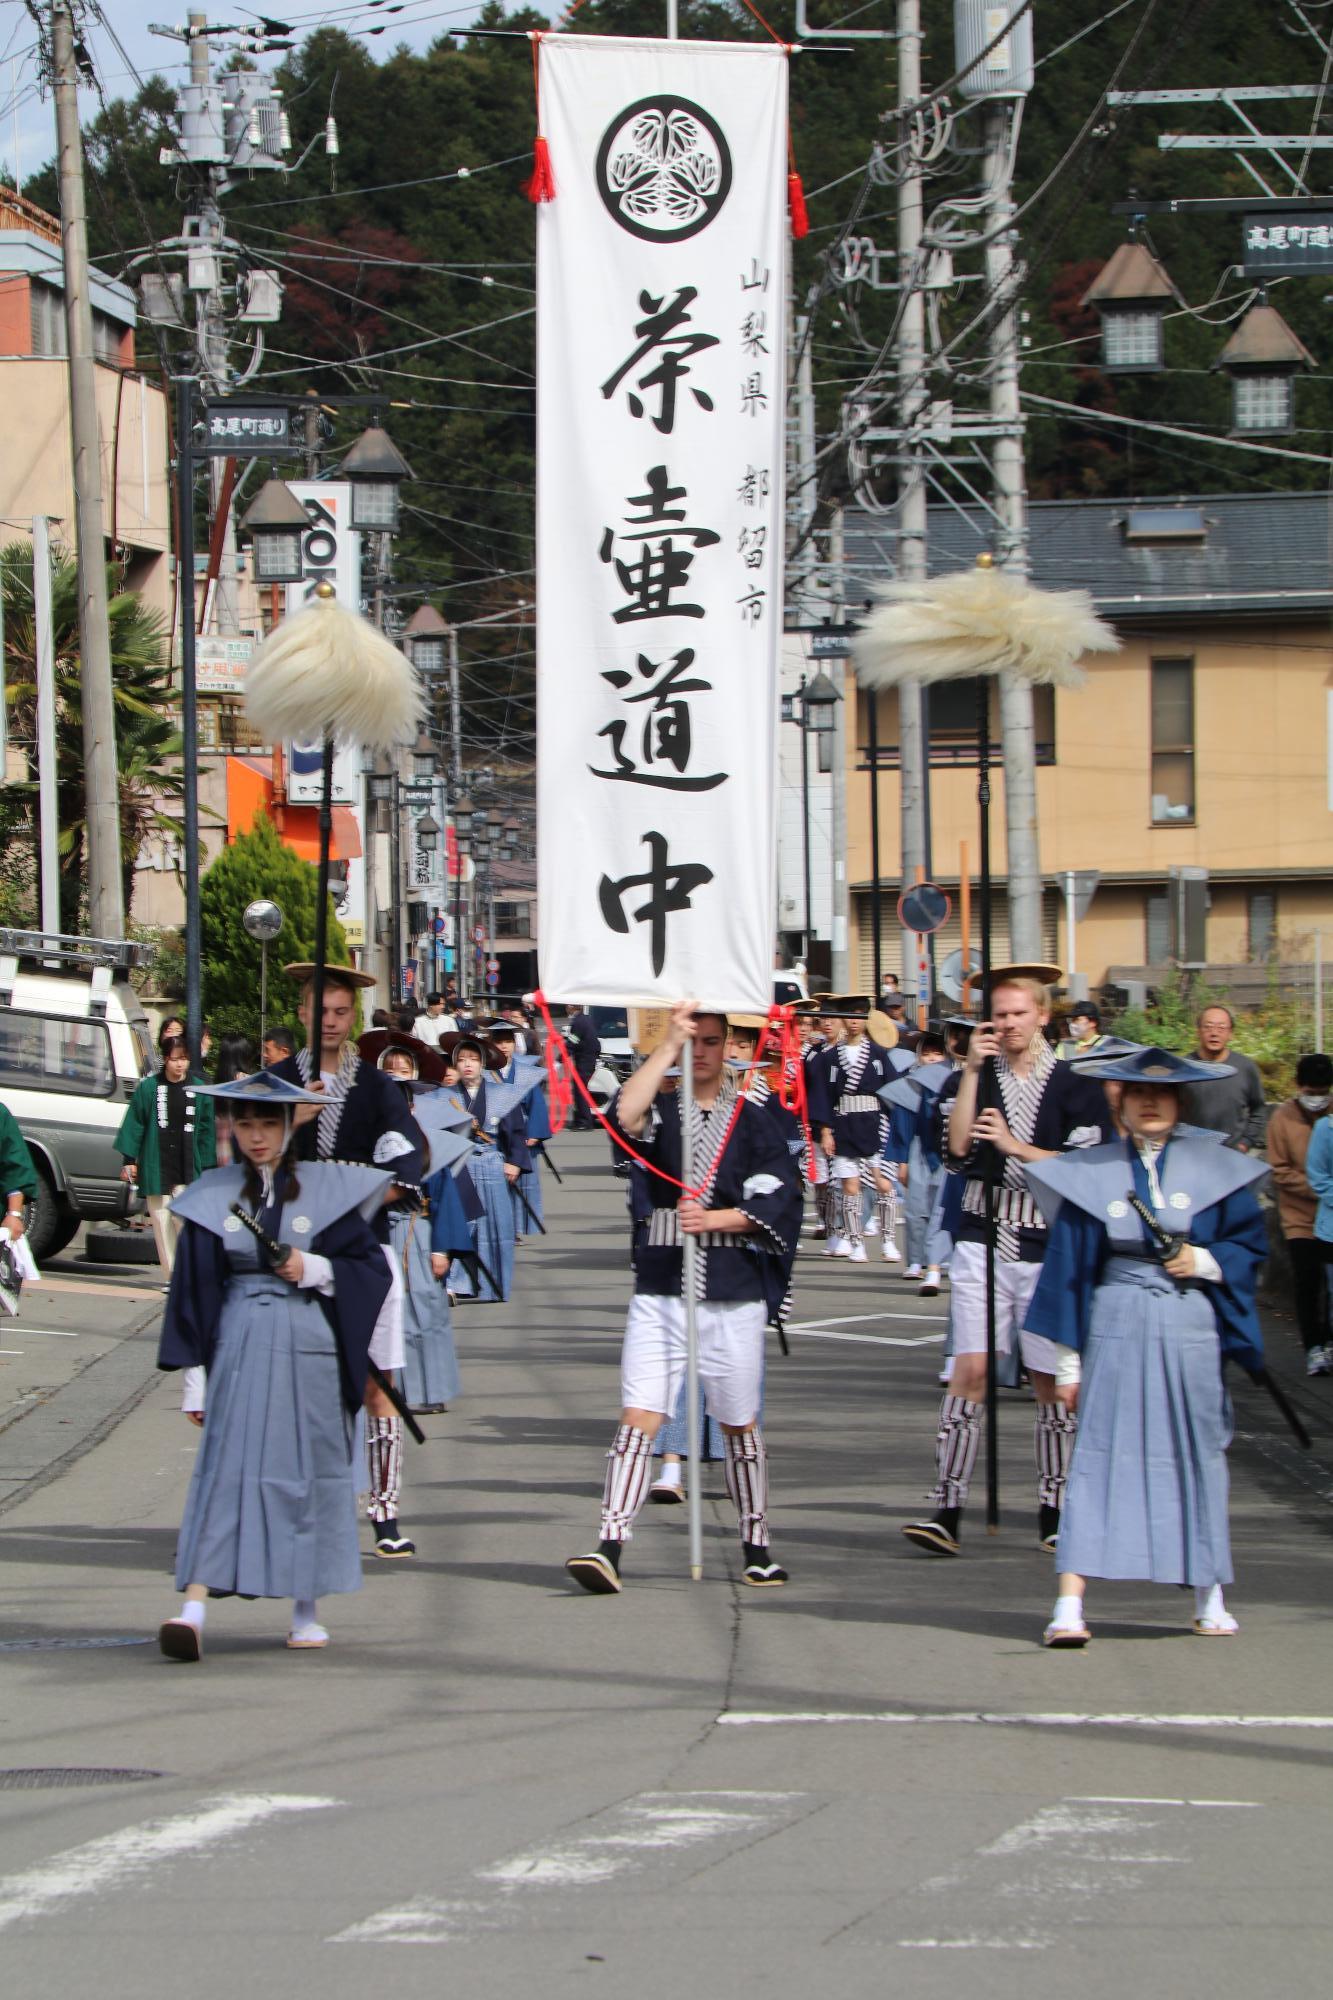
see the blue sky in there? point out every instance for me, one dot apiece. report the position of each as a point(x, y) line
point(27, 119)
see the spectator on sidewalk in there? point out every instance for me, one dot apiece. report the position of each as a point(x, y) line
point(436, 1021)
point(1233, 1105)
point(1291, 1132)
point(1085, 1035)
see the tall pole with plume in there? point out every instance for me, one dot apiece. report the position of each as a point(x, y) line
point(328, 673)
point(981, 623)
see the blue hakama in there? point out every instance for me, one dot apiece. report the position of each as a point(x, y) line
point(430, 1359)
point(1146, 1497)
point(1147, 1492)
point(271, 1510)
point(493, 1230)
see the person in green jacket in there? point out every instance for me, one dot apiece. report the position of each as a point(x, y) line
point(167, 1139)
point(18, 1176)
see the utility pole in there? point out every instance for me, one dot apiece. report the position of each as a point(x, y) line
point(211, 346)
point(106, 903)
point(1009, 496)
point(48, 815)
point(913, 728)
point(455, 794)
point(839, 956)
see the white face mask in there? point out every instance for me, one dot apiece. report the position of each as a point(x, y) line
point(1310, 1101)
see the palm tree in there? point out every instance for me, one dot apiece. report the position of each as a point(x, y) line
point(148, 741)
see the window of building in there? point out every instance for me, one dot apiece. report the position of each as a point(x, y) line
point(46, 318)
point(1168, 527)
point(952, 708)
point(46, 325)
point(1172, 742)
point(1261, 913)
point(1157, 915)
point(511, 920)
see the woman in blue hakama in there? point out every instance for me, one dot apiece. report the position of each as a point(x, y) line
point(499, 1158)
point(428, 1227)
point(271, 1510)
point(426, 1243)
point(521, 1071)
point(1147, 1492)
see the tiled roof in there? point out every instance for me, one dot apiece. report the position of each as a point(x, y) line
point(1264, 552)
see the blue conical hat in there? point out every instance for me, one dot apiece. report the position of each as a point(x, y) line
point(264, 1087)
point(1161, 1066)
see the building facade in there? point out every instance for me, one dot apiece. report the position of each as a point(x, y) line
point(1205, 744)
point(36, 474)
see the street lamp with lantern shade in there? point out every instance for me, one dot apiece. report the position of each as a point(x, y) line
point(380, 787)
point(483, 847)
point(462, 818)
point(375, 469)
point(425, 637)
point(428, 834)
point(819, 697)
point(813, 708)
point(424, 759)
point(277, 525)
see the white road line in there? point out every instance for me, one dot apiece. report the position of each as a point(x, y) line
point(962, 1718)
point(1093, 1847)
point(639, 1832)
point(975, 1944)
point(861, 1319)
point(133, 1853)
point(1111, 1799)
point(872, 1339)
point(44, 1332)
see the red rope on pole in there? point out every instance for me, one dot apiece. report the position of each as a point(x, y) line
point(541, 184)
point(564, 1080)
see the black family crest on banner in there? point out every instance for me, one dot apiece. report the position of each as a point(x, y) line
point(664, 169)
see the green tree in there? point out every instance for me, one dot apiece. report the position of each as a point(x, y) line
point(256, 865)
point(147, 737)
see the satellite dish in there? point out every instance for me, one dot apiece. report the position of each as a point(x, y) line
point(954, 971)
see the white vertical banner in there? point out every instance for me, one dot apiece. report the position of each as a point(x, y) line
point(661, 288)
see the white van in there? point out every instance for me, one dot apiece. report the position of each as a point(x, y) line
point(74, 1042)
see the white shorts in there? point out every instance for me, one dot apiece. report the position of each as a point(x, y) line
point(844, 1168)
point(731, 1356)
point(386, 1342)
point(821, 1166)
point(1014, 1286)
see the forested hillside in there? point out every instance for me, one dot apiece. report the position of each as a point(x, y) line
point(412, 273)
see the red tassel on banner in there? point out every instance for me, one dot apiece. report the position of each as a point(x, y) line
point(542, 185)
point(796, 208)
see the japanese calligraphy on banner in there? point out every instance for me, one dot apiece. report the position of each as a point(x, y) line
point(661, 292)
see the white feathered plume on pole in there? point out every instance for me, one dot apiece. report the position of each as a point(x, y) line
point(328, 672)
point(978, 621)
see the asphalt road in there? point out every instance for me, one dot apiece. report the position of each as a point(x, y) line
point(873, 1782)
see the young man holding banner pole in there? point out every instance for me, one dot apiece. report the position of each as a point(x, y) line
point(724, 1196)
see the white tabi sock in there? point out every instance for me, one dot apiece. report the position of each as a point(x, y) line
point(1068, 1613)
point(194, 1611)
point(1210, 1608)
